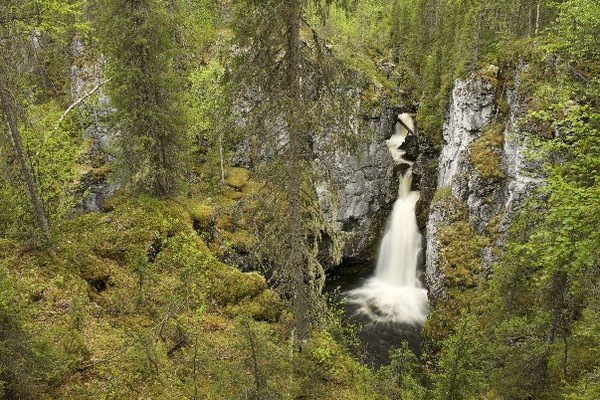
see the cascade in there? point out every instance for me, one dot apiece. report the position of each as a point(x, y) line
point(394, 294)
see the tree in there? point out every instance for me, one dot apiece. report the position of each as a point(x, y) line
point(461, 374)
point(152, 145)
point(403, 377)
point(15, 17)
point(22, 159)
point(293, 88)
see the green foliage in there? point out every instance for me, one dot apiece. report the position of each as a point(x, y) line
point(460, 251)
point(404, 377)
point(574, 33)
point(136, 302)
point(328, 362)
point(56, 161)
point(461, 376)
point(146, 92)
point(19, 376)
point(538, 313)
point(35, 36)
point(33, 359)
point(133, 303)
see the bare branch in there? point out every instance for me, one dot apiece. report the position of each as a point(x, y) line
point(79, 101)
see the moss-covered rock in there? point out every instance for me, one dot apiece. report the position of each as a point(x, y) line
point(460, 250)
point(486, 152)
point(266, 306)
point(241, 240)
point(125, 303)
point(202, 214)
point(237, 178)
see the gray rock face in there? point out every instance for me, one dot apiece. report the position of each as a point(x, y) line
point(85, 77)
point(490, 203)
point(471, 109)
point(354, 184)
point(523, 174)
point(359, 188)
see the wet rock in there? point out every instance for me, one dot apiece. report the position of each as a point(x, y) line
point(411, 147)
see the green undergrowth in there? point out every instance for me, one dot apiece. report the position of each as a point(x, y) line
point(221, 218)
point(133, 303)
point(460, 249)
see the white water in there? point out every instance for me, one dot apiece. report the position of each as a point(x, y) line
point(394, 294)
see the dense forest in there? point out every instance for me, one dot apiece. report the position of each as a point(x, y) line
point(184, 182)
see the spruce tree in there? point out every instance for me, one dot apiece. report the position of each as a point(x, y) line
point(294, 91)
point(138, 36)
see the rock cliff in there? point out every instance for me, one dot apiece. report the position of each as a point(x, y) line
point(483, 173)
point(358, 188)
point(87, 77)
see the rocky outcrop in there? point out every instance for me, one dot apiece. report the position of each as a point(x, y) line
point(483, 174)
point(353, 175)
point(87, 76)
point(358, 187)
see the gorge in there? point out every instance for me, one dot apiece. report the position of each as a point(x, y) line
point(395, 295)
point(299, 200)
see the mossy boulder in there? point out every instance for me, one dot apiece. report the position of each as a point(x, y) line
point(241, 240)
point(266, 306)
point(237, 178)
point(202, 214)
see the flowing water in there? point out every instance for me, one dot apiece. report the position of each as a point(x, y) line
point(394, 294)
point(392, 304)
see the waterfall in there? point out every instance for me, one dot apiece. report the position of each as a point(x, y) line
point(394, 294)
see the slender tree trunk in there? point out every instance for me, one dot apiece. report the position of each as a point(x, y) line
point(221, 159)
point(537, 18)
point(296, 268)
point(9, 115)
point(259, 380)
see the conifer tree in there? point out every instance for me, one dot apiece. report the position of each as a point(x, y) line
point(7, 107)
point(283, 77)
point(138, 36)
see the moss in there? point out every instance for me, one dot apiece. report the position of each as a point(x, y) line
point(159, 315)
point(96, 272)
point(460, 261)
point(485, 152)
point(203, 214)
point(228, 285)
point(237, 178)
point(326, 359)
point(502, 106)
point(451, 208)
point(266, 306)
point(489, 73)
point(460, 248)
point(430, 122)
point(442, 194)
point(241, 240)
point(102, 171)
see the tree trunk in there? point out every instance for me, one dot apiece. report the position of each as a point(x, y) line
point(7, 110)
point(297, 270)
point(221, 159)
point(537, 18)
